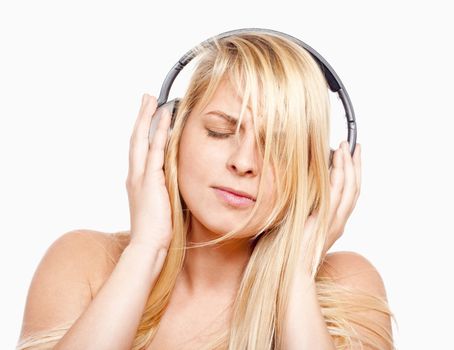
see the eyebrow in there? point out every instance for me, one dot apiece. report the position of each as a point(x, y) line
point(229, 118)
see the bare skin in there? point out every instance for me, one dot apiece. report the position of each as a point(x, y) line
point(193, 317)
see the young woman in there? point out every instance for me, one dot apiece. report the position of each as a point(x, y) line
point(232, 215)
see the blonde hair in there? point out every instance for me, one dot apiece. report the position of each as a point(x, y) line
point(283, 85)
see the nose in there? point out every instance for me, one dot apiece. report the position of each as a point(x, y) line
point(243, 159)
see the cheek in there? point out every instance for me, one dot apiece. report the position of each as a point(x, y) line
point(270, 182)
point(198, 157)
point(194, 160)
point(195, 165)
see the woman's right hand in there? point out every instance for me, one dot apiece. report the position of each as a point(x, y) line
point(149, 205)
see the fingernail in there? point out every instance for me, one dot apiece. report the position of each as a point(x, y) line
point(144, 98)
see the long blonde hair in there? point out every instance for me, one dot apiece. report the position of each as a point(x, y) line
point(283, 85)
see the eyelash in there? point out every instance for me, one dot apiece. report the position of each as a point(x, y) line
point(223, 136)
point(216, 134)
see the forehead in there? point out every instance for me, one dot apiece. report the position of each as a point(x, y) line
point(226, 104)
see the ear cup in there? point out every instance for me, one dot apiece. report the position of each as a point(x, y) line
point(172, 107)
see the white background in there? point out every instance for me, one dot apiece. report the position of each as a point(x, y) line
point(71, 80)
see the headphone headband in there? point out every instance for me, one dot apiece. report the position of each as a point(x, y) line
point(334, 82)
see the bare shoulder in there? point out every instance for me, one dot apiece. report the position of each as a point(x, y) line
point(101, 252)
point(96, 250)
point(68, 276)
point(353, 270)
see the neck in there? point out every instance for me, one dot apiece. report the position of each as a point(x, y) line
point(216, 269)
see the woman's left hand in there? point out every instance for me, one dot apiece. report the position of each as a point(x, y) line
point(345, 179)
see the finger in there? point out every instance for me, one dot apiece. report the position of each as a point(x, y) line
point(357, 165)
point(139, 139)
point(155, 158)
point(349, 193)
point(145, 99)
point(336, 182)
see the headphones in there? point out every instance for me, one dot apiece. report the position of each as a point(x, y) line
point(334, 83)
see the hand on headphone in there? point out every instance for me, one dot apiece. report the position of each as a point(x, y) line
point(345, 184)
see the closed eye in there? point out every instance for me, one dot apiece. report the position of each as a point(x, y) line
point(217, 134)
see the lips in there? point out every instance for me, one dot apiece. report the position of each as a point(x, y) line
point(236, 192)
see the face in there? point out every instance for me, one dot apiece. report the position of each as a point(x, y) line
point(211, 156)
